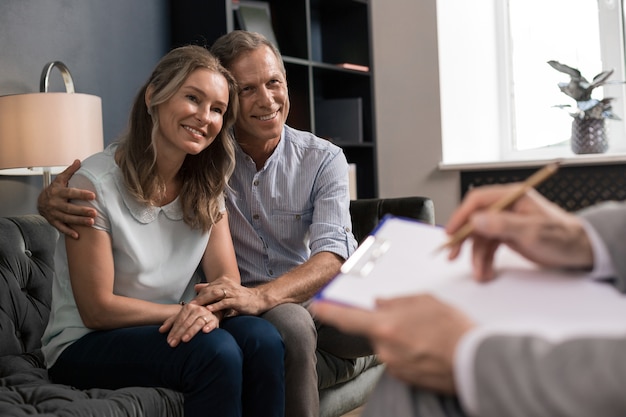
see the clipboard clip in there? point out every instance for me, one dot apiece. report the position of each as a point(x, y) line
point(364, 258)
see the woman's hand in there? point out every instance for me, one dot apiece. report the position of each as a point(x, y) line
point(191, 319)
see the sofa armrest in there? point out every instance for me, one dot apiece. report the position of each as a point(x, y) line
point(367, 212)
point(26, 269)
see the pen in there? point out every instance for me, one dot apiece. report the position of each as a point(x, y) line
point(532, 181)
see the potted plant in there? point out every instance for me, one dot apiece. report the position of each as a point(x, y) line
point(588, 126)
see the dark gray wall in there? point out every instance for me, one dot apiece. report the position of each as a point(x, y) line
point(109, 46)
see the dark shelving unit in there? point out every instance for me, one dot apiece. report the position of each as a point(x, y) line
point(316, 39)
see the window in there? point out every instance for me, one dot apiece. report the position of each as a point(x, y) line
point(497, 90)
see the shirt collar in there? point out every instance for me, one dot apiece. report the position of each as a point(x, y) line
point(144, 213)
point(277, 151)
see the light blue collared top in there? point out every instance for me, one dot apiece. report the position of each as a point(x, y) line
point(297, 205)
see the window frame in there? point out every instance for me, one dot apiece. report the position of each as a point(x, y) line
point(496, 144)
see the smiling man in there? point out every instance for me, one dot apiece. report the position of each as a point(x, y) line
point(289, 216)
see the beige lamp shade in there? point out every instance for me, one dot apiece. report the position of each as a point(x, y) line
point(48, 130)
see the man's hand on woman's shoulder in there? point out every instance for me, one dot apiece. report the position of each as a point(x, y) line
point(53, 203)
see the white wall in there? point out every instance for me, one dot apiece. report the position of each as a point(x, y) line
point(406, 86)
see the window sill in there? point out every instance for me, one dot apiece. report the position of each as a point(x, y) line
point(591, 159)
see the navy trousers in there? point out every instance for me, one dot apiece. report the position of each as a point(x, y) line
point(236, 370)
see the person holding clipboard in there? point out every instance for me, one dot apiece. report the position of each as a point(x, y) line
point(440, 363)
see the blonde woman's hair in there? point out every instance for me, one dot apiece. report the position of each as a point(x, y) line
point(204, 177)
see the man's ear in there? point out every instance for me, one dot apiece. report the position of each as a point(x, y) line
point(148, 96)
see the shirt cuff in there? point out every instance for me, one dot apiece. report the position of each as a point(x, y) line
point(602, 263)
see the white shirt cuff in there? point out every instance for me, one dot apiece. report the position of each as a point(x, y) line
point(602, 264)
point(464, 360)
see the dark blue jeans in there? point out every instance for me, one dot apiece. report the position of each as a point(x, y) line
point(235, 370)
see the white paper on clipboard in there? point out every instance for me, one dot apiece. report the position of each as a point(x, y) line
point(401, 258)
point(397, 259)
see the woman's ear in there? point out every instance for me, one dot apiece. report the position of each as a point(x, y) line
point(148, 97)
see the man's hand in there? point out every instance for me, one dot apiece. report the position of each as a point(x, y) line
point(223, 294)
point(54, 206)
point(415, 336)
point(533, 226)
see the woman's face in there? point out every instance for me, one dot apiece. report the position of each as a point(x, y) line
point(191, 119)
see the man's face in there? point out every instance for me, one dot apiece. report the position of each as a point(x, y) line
point(263, 96)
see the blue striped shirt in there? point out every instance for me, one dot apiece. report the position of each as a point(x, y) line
point(297, 205)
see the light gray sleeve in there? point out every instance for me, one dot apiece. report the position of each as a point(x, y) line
point(525, 376)
point(531, 377)
point(609, 221)
point(392, 397)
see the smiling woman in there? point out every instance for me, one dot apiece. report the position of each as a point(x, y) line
point(157, 211)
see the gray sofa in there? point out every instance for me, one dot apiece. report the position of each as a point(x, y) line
point(26, 268)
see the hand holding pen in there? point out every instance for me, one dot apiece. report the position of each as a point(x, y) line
point(518, 216)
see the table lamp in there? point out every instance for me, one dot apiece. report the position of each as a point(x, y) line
point(42, 133)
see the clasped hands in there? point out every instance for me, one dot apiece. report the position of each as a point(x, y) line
point(191, 319)
point(200, 314)
point(225, 295)
point(214, 301)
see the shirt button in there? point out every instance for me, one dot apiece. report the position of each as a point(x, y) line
point(271, 272)
point(298, 217)
point(348, 229)
point(255, 183)
point(255, 217)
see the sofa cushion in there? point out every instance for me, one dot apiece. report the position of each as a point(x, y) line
point(25, 390)
point(15, 364)
point(332, 370)
point(41, 398)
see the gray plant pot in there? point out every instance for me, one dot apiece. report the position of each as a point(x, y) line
point(589, 136)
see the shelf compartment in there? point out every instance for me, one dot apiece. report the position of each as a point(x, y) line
point(330, 83)
point(340, 32)
point(364, 158)
point(299, 96)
